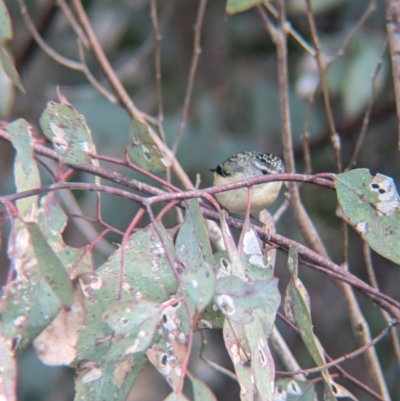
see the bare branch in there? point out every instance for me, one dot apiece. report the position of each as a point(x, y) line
point(335, 138)
point(192, 73)
point(393, 32)
point(367, 114)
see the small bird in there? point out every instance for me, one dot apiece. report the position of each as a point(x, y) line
point(245, 165)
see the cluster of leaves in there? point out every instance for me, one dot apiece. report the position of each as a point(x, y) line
point(161, 284)
point(156, 290)
point(146, 299)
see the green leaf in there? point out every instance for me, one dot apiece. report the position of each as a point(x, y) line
point(194, 253)
point(68, 131)
point(6, 32)
point(110, 380)
point(292, 390)
point(26, 172)
point(167, 360)
point(238, 348)
point(371, 205)
point(318, 6)
point(262, 363)
point(21, 138)
point(144, 274)
point(8, 67)
point(52, 222)
point(237, 6)
point(297, 309)
point(124, 316)
point(133, 316)
point(201, 392)
point(51, 269)
point(238, 299)
point(256, 265)
point(143, 151)
point(30, 307)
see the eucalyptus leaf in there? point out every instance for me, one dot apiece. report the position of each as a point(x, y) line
point(201, 392)
point(68, 131)
point(124, 316)
point(238, 349)
point(238, 299)
point(262, 363)
point(144, 274)
point(6, 32)
point(371, 206)
point(133, 316)
point(237, 6)
point(51, 269)
point(143, 151)
point(288, 389)
point(193, 251)
point(26, 172)
point(8, 67)
point(297, 309)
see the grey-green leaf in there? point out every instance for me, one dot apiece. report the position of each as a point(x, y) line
point(238, 299)
point(371, 205)
point(6, 32)
point(292, 390)
point(68, 131)
point(26, 172)
point(51, 269)
point(237, 6)
point(124, 316)
point(297, 309)
point(143, 151)
point(194, 253)
point(8, 67)
point(146, 274)
point(135, 319)
point(201, 392)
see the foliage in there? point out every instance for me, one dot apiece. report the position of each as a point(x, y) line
point(154, 278)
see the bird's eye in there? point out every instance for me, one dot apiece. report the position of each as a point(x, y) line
point(265, 172)
point(220, 170)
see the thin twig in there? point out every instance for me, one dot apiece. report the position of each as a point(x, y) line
point(356, 28)
point(285, 354)
point(73, 22)
point(291, 31)
point(341, 371)
point(374, 283)
point(157, 42)
point(157, 50)
point(335, 138)
point(303, 220)
point(393, 32)
point(345, 357)
point(105, 64)
point(106, 93)
point(306, 138)
point(73, 65)
point(193, 68)
point(367, 114)
point(306, 255)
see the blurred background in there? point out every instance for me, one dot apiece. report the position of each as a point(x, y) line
point(235, 107)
